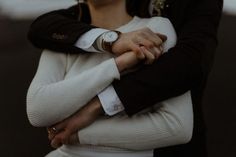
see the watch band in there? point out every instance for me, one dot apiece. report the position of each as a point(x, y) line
point(107, 46)
point(98, 44)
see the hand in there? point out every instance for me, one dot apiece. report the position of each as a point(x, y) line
point(65, 132)
point(132, 41)
point(126, 61)
point(130, 59)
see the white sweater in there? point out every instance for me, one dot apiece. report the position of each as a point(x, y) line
point(66, 82)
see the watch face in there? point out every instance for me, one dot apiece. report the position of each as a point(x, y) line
point(110, 36)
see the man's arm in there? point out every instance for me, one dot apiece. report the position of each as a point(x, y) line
point(63, 31)
point(59, 30)
point(184, 67)
point(175, 72)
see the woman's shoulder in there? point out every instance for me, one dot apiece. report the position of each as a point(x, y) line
point(159, 20)
point(49, 56)
point(156, 24)
point(53, 59)
point(154, 21)
point(151, 19)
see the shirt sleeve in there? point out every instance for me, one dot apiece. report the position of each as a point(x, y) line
point(86, 41)
point(52, 98)
point(110, 101)
point(168, 125)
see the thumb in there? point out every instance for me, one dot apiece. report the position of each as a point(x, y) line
point(162, 36)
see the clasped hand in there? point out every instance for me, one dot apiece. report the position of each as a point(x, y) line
point(132, 47)
point(66, 132)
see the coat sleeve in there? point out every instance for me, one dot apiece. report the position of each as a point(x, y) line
point(59, 30)
point(184, 67)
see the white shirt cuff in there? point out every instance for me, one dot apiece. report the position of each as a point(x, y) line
point(86, 41)
point(110, 101)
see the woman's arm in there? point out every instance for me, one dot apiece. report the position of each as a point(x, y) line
point(51, 98)
point(169, 125)
point(50, 91)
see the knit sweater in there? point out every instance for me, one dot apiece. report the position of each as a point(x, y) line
point(66, 82)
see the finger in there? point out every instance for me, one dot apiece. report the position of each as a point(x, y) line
point(64, 136)
point(150, 47)
point(51, 133)
point(149, 56)
point(157, 52)
point(156, 38)
point(144, 41)
point(137, 50)
point(161, 49)
point(51, 130)
point(51, 136)
point(162, 36)
point(60, 138)
point(56, 143)
point(54, 130)
point(58, 127)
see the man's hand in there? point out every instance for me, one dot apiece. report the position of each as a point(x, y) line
point(65, 132)
point(132, 41)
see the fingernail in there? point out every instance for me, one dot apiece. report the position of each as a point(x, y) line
point(157, 50)
point(142, 48)
point(142, 56)
point(161, 48)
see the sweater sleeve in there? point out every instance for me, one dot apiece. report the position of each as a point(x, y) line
point(169, 125)
point(52, 98)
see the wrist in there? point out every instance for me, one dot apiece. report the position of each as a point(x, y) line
point(126, 61)
point(120, 64)
point(96, 107)
point(98, 44)
point(108, 39)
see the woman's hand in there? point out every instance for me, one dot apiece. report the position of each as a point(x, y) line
point(130, 59)
point(65, 132)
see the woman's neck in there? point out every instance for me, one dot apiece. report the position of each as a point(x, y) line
point(109, 16)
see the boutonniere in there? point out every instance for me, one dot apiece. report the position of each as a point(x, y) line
point(158, 6)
